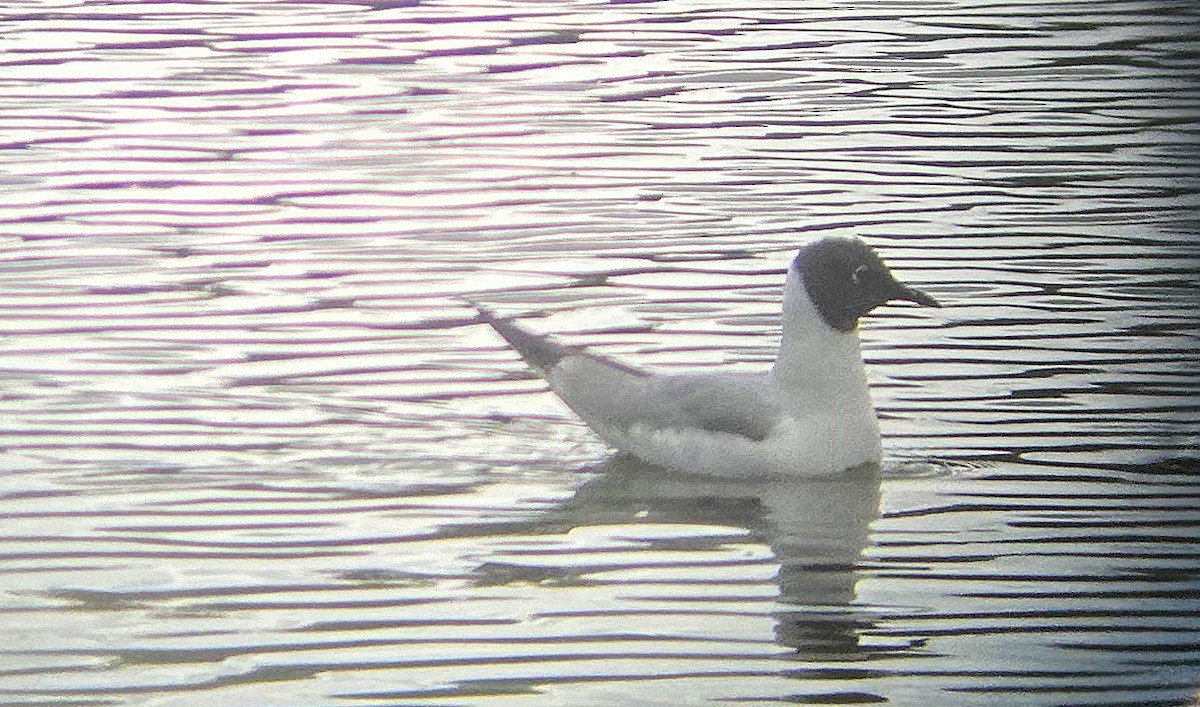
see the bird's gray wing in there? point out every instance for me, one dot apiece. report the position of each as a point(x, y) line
point(541, 353)
point(737, 404)
point(610, 398)
point(609, 394)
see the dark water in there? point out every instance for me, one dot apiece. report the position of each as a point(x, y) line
point(255, 451)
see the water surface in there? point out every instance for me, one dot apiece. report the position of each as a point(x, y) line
point(257, 451)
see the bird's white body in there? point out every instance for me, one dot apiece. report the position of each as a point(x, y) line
point(810, 415)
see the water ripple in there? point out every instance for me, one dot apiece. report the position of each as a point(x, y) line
point(256, 448)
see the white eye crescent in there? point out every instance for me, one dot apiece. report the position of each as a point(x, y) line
point(856, 276)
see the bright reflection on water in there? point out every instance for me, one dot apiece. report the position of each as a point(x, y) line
point(256, 450)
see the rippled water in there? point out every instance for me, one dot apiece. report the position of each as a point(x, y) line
point(256, 451)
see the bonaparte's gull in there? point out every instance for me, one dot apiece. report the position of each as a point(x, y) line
point(809, 415)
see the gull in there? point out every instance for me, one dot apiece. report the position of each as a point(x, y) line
point(809, 415)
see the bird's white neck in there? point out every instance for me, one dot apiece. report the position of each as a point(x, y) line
point(817, 363)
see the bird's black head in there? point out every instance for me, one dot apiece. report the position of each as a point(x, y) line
point(845, 278)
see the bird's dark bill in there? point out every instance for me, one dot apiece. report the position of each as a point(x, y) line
point(912, 294)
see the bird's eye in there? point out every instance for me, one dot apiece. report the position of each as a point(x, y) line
point(856, 276)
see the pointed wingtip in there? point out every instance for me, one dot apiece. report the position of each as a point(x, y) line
point(540, 352)
point(501, 324)
point(485, 314)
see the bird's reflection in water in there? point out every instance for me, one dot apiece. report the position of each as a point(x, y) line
point(817, 529)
